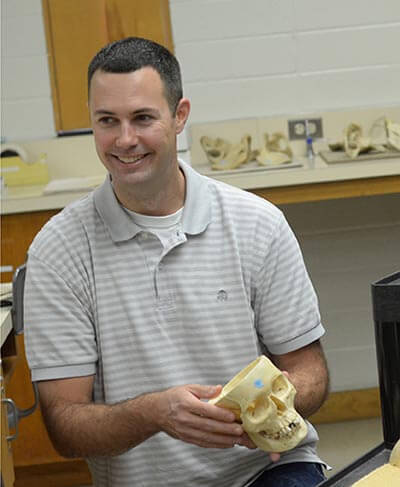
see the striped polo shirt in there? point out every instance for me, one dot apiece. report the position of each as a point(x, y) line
point(105, 296)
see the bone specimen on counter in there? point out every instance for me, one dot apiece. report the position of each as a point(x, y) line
point(276, 150)
point(387, 475)
point(262, 397)
point(354, 143)
point(216, 149)
point(223, 156)
point(393, 134)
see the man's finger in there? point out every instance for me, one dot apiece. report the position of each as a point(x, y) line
point(275, 457)
point(219, 427)
point(217, 413)
point(204, 392)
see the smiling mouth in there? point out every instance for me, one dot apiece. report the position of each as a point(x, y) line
point(130, 159)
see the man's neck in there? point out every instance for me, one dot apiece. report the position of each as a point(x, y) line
point(159, 201)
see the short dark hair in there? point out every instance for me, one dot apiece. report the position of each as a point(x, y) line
point(133, 53)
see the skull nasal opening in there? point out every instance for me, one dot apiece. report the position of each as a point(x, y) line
point(280, 406)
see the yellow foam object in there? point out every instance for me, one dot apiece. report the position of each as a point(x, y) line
point(386, 475)
point(16, 172)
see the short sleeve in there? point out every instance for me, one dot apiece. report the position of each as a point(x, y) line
point(60, 337)
point(286, 306)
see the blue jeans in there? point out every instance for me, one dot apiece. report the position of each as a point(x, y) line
point(296, 474)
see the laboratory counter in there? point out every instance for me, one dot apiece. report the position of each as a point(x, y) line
point(306, 181)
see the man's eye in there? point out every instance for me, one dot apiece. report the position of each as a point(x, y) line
point(144, 118)
point(106, 121)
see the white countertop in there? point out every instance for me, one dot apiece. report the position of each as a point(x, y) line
point(321, 172)
point(31, 198)
point(21, 199)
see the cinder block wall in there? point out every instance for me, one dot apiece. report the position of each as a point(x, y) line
point(239, 59)
point(267, 57)
point(27, 111)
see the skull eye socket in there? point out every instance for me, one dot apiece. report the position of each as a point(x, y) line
point(280, 386)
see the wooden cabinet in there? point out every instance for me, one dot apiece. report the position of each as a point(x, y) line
point(7, 467)
point(17, 232)
point(76, 30)
point(32, 446)
point(32, 449)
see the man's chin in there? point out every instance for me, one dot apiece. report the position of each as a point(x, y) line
point(130, 178)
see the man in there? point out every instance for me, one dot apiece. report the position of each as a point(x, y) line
point(145, 296)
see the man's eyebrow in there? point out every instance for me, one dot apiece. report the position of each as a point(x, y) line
point(103, 111)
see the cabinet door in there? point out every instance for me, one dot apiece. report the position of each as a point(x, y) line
point(32, 445)
point(7, 467)
point(76, 30)
point(17, 232)
point(140, 18)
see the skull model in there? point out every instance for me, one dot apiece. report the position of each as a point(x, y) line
point(262, 397)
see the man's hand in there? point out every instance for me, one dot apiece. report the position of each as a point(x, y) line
point(192, 420)
point(73, 420)
point(183, 415)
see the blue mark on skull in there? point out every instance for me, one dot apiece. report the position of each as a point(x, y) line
point(258, 383)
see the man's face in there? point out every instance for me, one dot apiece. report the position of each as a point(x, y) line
point(134, 129)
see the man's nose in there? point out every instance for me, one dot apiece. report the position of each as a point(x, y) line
point(127, 136)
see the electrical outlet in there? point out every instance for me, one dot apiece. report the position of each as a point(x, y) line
point(298, 128)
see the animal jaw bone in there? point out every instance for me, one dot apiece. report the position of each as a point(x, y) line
point(216, 149)
point(354, 142)
point(223, 156)
point(263, 398)
point(228, 157)
point(393, 134)
point(278, 143)
point(275, 151)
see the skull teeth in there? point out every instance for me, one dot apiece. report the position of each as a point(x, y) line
point(284, 433)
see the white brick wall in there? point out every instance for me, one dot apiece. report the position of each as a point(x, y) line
point(202, 20)
point(272, 57)
point(239, 59)
point(27, 111)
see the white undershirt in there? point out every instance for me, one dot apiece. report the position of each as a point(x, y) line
point(164, 227)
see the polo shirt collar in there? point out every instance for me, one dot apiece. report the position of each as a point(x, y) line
point(196, 213)
point(116, 219)
point(197, 210)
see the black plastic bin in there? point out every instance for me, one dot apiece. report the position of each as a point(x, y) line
point(386, 313)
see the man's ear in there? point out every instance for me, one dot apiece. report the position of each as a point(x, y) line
point(182, 114)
